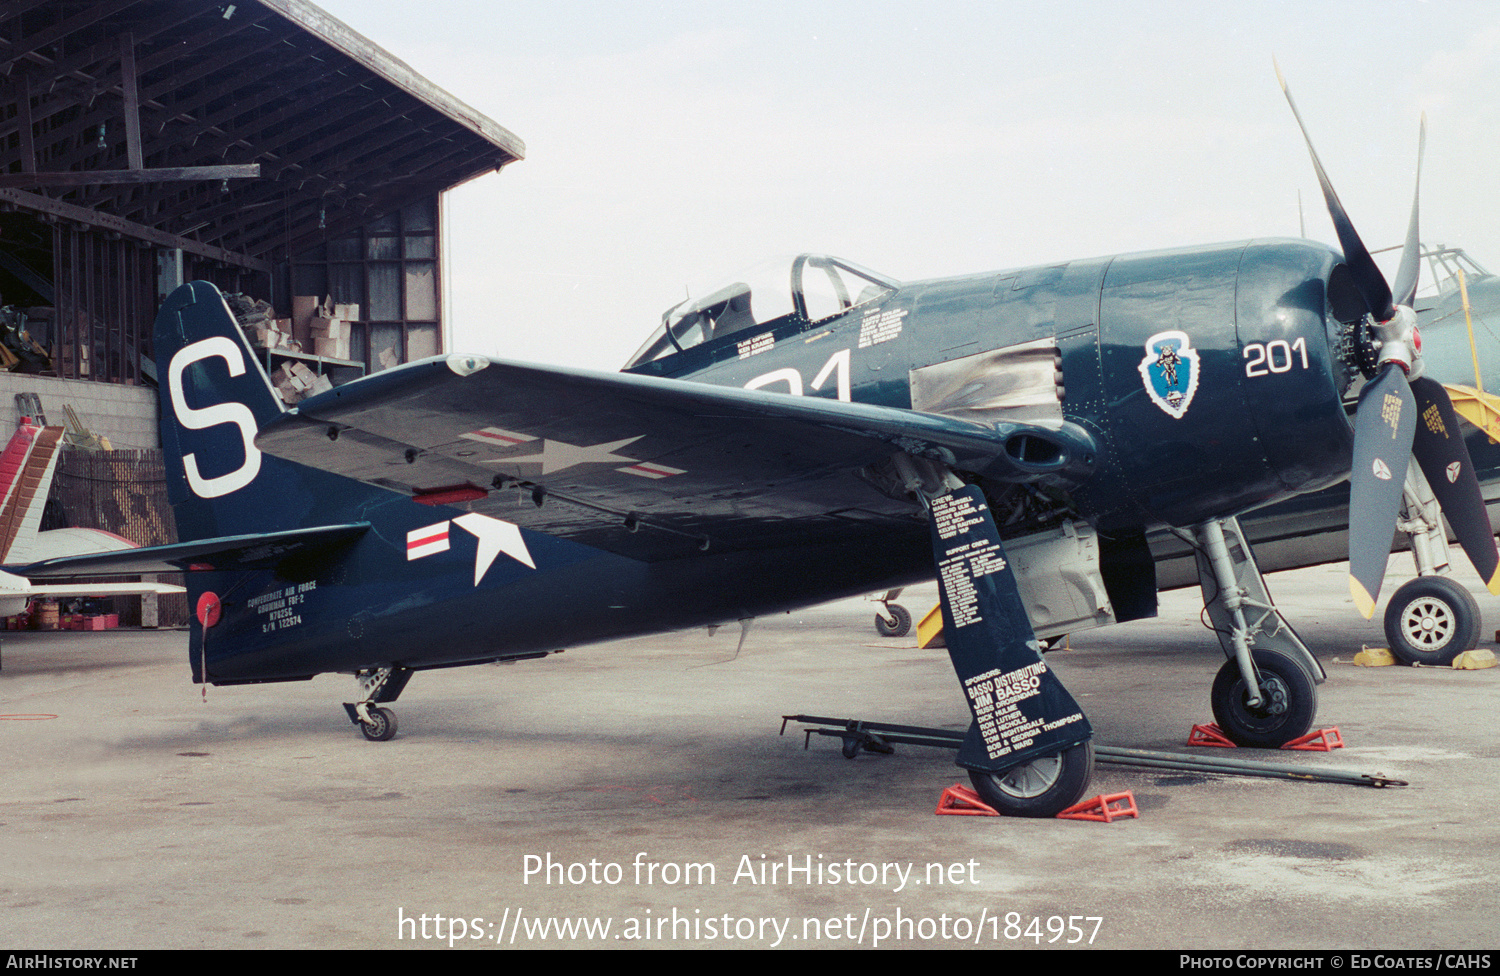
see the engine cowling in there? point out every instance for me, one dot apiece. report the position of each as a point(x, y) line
point(1220, 382)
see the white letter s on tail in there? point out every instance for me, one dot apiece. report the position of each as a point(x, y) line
point(220, 413)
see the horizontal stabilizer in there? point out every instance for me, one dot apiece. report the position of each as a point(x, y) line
point(227, 553)
point(66, 591)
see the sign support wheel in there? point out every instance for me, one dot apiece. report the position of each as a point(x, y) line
point(1041, 788)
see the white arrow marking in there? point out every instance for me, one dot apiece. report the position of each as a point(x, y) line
point(494, 538)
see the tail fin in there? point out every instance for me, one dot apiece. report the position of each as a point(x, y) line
point(214, 398)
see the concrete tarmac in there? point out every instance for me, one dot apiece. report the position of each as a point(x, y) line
point(642, 786)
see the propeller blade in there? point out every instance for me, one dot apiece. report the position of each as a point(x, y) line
point(1384, 425)
point(1366, 275)
point(1440, 450)
point(1405, 288)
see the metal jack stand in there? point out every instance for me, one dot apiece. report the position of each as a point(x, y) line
point(860, 731)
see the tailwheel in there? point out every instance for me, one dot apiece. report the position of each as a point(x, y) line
point(1431, 620)
point(1288, 701)
point(377, 685)
point(897, 625)
point(380, 726)
point(1041, 788)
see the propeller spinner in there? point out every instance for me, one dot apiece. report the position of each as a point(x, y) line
point(1401, 415)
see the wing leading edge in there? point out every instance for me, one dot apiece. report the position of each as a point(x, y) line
point(647, 467)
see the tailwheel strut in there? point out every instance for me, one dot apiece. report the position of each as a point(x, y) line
point(377, 686)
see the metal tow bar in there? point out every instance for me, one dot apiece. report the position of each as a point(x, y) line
point(878, 736)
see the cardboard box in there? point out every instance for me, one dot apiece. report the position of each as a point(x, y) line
point(291, 385)
point(286, 375)
point(264, 336)
point(320, 328)
point(304, 309)
point(332, 348)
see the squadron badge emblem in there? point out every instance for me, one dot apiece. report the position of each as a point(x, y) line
point(1170, 372)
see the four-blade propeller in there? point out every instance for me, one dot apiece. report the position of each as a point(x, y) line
point(1401, 414)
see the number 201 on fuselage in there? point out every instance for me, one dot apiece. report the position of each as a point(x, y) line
point(1276, 356)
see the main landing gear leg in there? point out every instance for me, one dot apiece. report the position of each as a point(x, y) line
point(1029, 750)
point(376, 687)
point(1266, 694)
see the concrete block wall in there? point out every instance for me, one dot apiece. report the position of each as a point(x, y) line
point(127, 415)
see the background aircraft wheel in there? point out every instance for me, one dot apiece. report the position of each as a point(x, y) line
point(382, 725)
point(1431, 620)
point(1041, 788)
point(898, 626)
point(1289, 701)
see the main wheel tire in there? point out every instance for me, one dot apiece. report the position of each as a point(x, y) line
point(1289, 701)
point(1041, 788)
point(898, 626)
point(382, 725)
point(1431, 620)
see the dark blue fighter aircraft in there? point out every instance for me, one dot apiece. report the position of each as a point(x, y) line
point(1015, 434)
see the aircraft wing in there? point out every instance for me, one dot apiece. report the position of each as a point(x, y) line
point(648, 467)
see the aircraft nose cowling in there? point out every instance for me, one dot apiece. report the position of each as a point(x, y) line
point(1232, 399)
point(1295, 397)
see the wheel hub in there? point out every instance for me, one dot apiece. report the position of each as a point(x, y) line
point(1428, 624)
point(1033, 778)
point(1273, 698)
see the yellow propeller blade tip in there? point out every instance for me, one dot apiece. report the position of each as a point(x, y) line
point(1493, 583)
point(1363, 601)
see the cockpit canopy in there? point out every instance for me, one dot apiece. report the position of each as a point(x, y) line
point(806, 289)
point(1440, 267)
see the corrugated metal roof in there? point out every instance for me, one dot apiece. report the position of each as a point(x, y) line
point(341, 130)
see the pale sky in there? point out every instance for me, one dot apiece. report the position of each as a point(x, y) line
point(675, 143)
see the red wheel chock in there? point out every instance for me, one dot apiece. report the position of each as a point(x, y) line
point(1323, 740)
point(1209, 735)
point(960, 801)
point(1105, 808)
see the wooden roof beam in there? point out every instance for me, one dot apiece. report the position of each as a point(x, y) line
point(87, 17)
point(99, 56)
point(165, 174)
point(109, 222)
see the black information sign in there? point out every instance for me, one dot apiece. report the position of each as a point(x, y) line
point(1021, 711)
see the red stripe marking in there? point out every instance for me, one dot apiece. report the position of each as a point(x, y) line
point(451, 495)
point(490, 435)
point(435, 537)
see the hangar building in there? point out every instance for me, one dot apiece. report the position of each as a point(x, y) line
point(261, 145)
